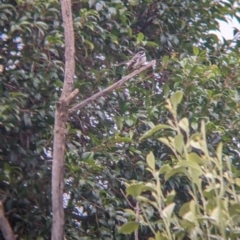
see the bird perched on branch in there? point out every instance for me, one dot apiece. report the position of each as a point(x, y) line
point(136, 61)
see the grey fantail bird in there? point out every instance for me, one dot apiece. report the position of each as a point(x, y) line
point(136, 61)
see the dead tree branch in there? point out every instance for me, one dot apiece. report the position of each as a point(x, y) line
point(111, 88)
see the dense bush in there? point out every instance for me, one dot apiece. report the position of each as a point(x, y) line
point(212, 183)
point(102, 145)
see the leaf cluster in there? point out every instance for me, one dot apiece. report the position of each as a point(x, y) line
point(212, 211)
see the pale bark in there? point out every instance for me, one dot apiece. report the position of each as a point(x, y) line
point(5, 226)
point(61, 116)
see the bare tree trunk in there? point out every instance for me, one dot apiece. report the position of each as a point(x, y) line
point(61, 116)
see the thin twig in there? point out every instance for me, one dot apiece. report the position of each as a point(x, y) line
point(126, 199)
point(137, 220)
point(137, 210)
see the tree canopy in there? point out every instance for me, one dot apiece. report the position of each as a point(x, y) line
point(105, 147)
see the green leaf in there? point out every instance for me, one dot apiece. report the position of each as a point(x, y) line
point(151, 161)
point(90, 44)
point(184, 209)
point(133, 2)
point(167, 141)
point(215, 215)
point(176, 98)
point(119, 122)
point(195, 140)
point(174, 171)
point(170, 197)
point(140, 37)
point(194, 157)
point(165, 60)
point(135, 189)
point(189, 164)
point(165, 168)
point(219, 151)
point(237, 181)
point(158, 236)
point(129, 122)
point(195, 51)
point(87, 155)
point(146, 200)
point(128, 228)
point(184, 125)
point(154, 130)
point(166, 90)
point(179, 143)
point(130, 212)
point(167, 211)
point(150, 44)
point(234, 209)
point(194, 125)
point(131, 133)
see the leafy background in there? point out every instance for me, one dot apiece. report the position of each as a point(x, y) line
point(103, 147)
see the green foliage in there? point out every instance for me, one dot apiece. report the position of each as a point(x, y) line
point(213, 184)
point(31, 72)
point(102, 146)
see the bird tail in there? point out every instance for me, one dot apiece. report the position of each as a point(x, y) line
point(121, 63)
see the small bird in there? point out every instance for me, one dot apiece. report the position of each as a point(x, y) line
point(137, 60)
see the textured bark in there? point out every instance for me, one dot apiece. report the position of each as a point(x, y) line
point(61, 116)
point(5, 226)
